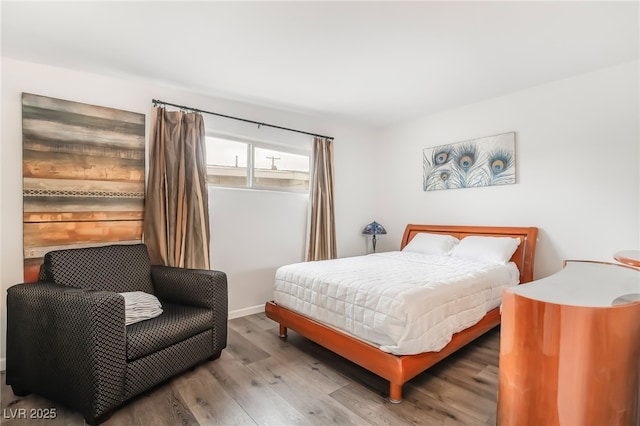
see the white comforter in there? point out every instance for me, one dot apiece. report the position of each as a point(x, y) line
point(404, 303)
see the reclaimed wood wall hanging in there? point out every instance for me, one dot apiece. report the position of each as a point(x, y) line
point(83, 177)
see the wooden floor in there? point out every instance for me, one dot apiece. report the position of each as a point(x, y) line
point(261, 379)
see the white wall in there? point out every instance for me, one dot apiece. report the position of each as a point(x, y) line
point(270, 230)
point(578, 167)
point(253, 232)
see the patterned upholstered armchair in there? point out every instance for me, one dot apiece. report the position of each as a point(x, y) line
point(66, 334)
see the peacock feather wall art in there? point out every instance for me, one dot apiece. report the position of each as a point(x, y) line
point(485, 161)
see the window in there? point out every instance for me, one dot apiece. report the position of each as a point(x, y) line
point(240, 164)
point(226, 162)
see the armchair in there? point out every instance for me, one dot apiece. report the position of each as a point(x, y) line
point(66, 334)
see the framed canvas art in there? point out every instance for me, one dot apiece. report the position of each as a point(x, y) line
point(485, 161)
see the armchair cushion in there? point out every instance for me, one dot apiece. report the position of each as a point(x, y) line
point(117, 268)
point(176, 323)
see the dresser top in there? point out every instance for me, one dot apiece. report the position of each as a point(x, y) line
point(581, 283)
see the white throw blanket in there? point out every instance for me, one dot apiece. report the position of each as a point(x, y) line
point(404, 303)
point(140, 306)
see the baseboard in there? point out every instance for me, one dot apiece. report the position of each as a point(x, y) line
point(237, 313)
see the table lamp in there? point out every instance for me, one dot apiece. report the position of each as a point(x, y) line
point(374, 228)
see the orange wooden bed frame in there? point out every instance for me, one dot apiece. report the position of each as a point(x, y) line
point(399, 369)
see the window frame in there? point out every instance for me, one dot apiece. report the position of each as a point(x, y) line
point(251, 144)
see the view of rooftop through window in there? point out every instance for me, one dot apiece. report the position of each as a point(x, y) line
point(228, 164)
point(223, 152)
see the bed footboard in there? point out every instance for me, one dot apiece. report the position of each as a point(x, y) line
point(397, 369)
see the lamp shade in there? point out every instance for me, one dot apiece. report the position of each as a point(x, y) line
point(374, 228)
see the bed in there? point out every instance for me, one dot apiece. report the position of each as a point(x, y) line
point(366, 350)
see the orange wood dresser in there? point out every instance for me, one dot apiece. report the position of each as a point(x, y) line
point(570, 348)
point(628, 257)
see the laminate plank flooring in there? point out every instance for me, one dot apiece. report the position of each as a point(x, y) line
point(261, 379)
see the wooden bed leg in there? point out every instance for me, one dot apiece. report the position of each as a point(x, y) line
point(283, 331)
point(395, 393)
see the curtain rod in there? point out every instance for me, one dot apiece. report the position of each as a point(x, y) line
point(156, 102)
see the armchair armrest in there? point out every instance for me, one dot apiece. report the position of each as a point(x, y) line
point(195, 287)
point(67, 344)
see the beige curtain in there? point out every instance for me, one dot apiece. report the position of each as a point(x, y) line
point(176, 213)
point(322, 236)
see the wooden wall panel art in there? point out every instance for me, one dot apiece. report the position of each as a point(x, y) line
point(83, 177)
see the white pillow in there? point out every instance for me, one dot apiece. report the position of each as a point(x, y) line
point(488, 249)
point(427, 243)
point(140, 306)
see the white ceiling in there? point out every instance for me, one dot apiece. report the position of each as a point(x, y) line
point(373, 62)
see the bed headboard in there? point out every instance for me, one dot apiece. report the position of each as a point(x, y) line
point(523, 256)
